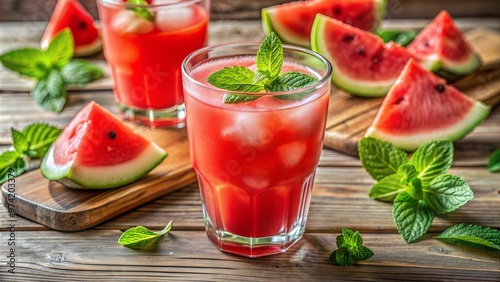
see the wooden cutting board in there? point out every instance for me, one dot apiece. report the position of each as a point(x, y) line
point(53, 205)
point(349, 117)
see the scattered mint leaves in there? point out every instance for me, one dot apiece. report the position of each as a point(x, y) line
point(350, 248)
point(267, 77)
point(32, 142)
point(471, 235)
point(419, 187)
point(53, 70)
point(142, 12)
point(402, 37)
point(494, 161)
point(140, 236)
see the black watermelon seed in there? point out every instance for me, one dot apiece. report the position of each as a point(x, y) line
point(337, 10)
point(82, 25)
point(349, 37)
point(360, 51)
point(399, 100)
point(426, 44)
point(112, 135)
point(440, 88)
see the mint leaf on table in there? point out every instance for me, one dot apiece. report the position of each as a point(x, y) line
point(53, 70)
point(380, 159)
point(350, 248)
point(142, 12)
point(494, 161)
point(31, 142)
point(402, 37)
point(471, 235)
point(420, 188)
point(267, 78)
point(141, 236)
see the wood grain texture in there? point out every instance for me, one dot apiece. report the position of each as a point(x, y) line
point(349, 117)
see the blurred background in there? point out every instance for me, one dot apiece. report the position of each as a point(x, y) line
point(487, 12)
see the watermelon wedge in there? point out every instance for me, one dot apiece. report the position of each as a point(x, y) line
point(421, 107)
point(70, 13)
point(441, 42)
point(361, 63)
point(292, 22)
point(97, 150)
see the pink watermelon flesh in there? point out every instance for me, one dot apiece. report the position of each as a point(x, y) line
point(441, 41)
point(95, 137)
point(361, 63)
point(421, 107)
point(70, 13)
point(292, 22)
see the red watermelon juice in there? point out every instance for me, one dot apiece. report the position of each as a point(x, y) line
point(145, 56)
point(255, 161)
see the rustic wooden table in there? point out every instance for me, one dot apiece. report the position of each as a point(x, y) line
point(340, 200)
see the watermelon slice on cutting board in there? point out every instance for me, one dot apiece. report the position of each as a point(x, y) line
point(292, 22)
point(97, 150)
point(421, 107)
point(70, 13)
point(361, 63)
point(442, 43)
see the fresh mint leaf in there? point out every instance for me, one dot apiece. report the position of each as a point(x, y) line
point(387, 188)
point(29, 62)
point(236, 78)
point(447, 193)
point(494, 161)
point(7, 158)
point(50, 93)
point(80, 72)
point(350, 248)
point(40, 136)
point(21, 144)
point(470, 235)
point(142, 12)
point(402, 37)
point(409, 178)
point(432, 159)
point(238, 98)
point(270, 56)
point(412, 217)
point(141, 236)
point(61, 49)
point(380, 159)
point(13, 169)
point(290, 81)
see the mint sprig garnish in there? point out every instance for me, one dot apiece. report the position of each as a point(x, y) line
point(53, 69)
point(142, 12)
point(267, 78)
point(350, 248)
point(494, 161)
point(402, 37)
point(419, 187)
point(141, 236)
point(32, 143)
point(471, 235)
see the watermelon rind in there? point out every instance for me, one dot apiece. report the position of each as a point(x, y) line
point(102, 177)
point(357, 87)
point(472, 64)
point(458, 131)
point(269, 25)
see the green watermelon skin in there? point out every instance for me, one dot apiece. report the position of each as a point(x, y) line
point(292, 22)
point(442, 43)
point(361, 63)
point(97, 150)
point(420, 107)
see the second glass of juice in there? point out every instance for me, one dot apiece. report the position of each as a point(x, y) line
point(255, 161)
point(144, 46)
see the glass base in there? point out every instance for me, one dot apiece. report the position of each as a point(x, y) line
point(155, 118)
point(253, 247)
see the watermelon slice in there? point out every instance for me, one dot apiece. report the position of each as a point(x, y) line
point(421, 107)
point(97, 150)
point(441, 42)
point(361, 63)
point(292, 22)
point(70, 13)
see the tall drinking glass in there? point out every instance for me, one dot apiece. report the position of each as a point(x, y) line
point(144, 46)
point(255, 161)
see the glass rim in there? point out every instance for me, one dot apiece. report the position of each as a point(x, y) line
point(321, 81)
point(130, 5)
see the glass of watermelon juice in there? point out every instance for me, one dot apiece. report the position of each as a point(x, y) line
point(255, 161)
point(144, 46)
